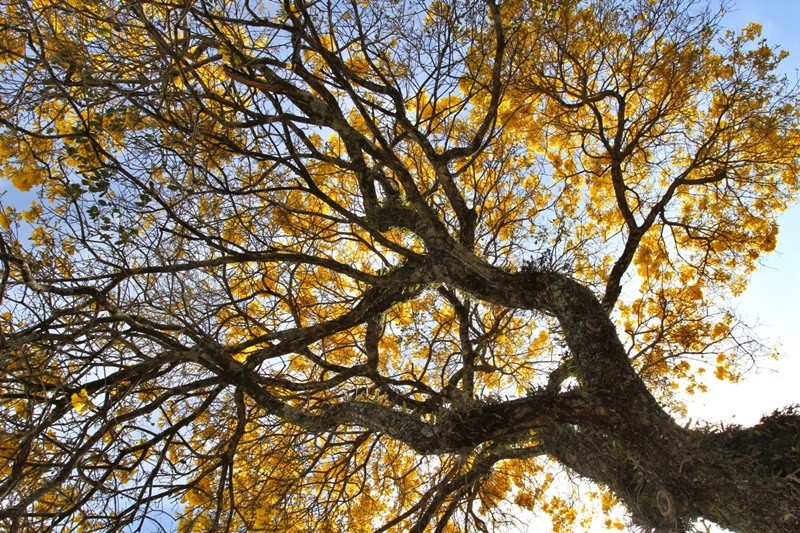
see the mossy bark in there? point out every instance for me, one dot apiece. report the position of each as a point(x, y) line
point(667, 476)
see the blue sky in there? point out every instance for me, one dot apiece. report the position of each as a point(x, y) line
point(774, 294)
point(773, 297)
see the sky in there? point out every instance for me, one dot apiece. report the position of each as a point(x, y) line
point(773, 296)
point(771, 301)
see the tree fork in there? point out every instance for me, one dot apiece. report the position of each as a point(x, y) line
point(667, 475)
point(669, 485)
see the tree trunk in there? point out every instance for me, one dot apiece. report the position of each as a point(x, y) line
point(742, 479)
point(667, 476)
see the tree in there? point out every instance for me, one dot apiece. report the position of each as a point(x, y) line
point(383, 265)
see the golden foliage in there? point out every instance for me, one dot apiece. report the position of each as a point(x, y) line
point(229, 192)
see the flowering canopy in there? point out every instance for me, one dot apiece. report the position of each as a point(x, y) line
point(380, 265)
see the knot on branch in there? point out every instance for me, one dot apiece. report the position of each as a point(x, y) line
point(666, 503)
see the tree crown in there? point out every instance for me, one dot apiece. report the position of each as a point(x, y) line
point(367, 265)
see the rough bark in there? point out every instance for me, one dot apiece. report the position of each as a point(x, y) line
point(742, 479)
point(666, 484)
point(608, 427)
point(611, 430)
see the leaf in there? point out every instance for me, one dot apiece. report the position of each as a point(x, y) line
point(80, 401)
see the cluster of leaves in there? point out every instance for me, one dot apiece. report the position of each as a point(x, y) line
point(232, 301)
